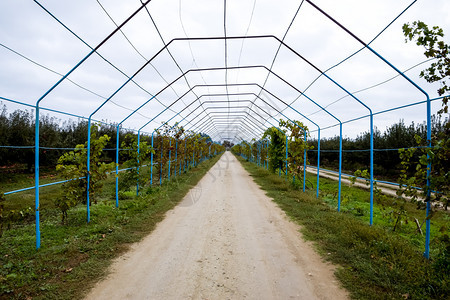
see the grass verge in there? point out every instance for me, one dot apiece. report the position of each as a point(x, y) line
point(375, 263)
point(75, 256)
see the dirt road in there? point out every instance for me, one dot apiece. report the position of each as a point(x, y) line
point(226, 240)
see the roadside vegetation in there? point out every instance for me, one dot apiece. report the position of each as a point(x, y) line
point(374, 262)
point(75, 255)
point(383, 261)
point(154, 174)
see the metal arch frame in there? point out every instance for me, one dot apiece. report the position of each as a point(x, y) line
point(263, 124)
point(216, 118)
point(428, 101)
point(226, 38)
point(205, 126)
point(280, 112)
point(322, 108)
point(301, 93)
point(361, 102)
point(192, 70)
point(262, 88)
point(280, 131)
point(38, 234)
point(304, 167)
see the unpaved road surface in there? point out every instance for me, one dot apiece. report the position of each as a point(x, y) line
point(226, 240)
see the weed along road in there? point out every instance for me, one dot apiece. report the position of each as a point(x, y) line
point(226, 240)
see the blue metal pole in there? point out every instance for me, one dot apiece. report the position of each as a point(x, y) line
point(137, 169)
point(427, 237)
point(371, 169)
point(304, 167)
point(287, 145)
point(340, 166)
point(151, 163)
point(170, 152)
point(184, 158)
point(117, 165)
point(428, 197)
point(318, 163)
point(160, 164)
point(36, 179)
point(176, 156)
point(88, 175)
point(259, 153)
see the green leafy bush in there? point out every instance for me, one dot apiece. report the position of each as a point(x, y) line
point(73, 166)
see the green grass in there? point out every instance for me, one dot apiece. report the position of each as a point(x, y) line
point(374, 262)
point(74, 256)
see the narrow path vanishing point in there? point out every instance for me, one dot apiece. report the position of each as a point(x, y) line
point(226, 240)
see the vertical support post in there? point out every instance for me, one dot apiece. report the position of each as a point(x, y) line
point(371, 169)
point(170, 152)
point(151, 164)
point(138, 154)
point(287, 145)
point(340, 166)
point(36, 178)
point(88, 175)
point(304, 167)
point(428, 196)
point(176, 156)
point(160, 163)
point(318, 163)
point(184, 158)
point(117, 164)
point(259, 154)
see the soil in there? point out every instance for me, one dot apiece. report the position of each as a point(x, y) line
point(225, 240)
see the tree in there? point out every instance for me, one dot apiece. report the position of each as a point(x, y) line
point(438, 154)
point(435, 47)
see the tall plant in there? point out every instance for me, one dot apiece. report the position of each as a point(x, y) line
point(135, 160)
point(277, 148)
point(73, 166)
point(297, 145)
point(438, 154)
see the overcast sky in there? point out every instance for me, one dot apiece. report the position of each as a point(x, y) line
point(28, 32)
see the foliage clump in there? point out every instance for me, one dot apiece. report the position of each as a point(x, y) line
point(136, 157)
point(428, 165)
point(297, 145)
point(73, 166)
point(277, 148)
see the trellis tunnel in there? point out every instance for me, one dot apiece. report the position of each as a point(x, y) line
point(243, 66)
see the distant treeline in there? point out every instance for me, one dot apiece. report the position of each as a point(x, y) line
point(386, 162)
point(17, 138)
